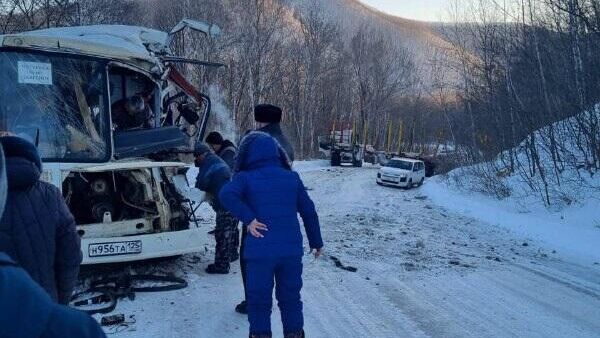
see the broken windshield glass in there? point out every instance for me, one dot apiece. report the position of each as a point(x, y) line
point(58, 102)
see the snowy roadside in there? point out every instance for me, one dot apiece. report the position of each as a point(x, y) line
point(307, 166)
point(574, 231)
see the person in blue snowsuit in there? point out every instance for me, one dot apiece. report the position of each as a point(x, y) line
point(213, 174)
point(266, 195)
point(26, 309)
point(268, 119)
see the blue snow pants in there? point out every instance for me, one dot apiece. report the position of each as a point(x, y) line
point(261, 276)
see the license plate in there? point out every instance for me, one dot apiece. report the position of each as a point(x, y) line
point(115, 248)
point(391, 179)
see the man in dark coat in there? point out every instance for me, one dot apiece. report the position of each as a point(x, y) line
point(225, 149)
point(268, 118)
point(213, 174)
point(26, 308)
point(37, 229)
point(267, 196)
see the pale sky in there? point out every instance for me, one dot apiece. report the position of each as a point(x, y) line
point(425, 10)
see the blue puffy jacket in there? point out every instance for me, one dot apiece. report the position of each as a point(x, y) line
point(37, 229)
point(28, 312)
point(213, 173)
point(266, 189)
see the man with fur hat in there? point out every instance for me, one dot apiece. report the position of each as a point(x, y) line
point(37, 229)
point(213, 174)
point(268, 118)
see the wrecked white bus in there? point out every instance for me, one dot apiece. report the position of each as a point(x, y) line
point(64, 88)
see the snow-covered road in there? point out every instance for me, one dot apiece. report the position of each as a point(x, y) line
point(423, 271)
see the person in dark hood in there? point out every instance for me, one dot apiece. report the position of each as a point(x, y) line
point(268, 118)
point(27, 309)
point(267, 196)
point(37, 229)
point(213, 174)
point(225, 149)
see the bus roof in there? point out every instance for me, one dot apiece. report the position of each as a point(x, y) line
point(131, 44)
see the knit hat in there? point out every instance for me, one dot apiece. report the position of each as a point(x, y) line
point(201, 149)
point(267, 113)
point(214, 138)
point(15, 146)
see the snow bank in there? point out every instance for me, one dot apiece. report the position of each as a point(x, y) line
point(574, 231)
point(562, 210)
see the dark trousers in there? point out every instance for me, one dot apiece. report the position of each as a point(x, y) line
point(226, 233)
point(236, 244)
point(243, 261)
point(285, 274)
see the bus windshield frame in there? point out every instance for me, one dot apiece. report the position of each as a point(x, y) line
point(58, 101)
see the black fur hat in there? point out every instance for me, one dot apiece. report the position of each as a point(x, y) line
point(267, 113)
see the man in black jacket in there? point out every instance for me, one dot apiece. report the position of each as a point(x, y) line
point(268, 117)
point(26, 308)
point(225, 149)
point(37, 229)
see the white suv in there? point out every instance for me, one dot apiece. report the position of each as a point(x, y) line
point(402, 172)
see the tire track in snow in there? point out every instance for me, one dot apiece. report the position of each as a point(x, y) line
point(343, 304)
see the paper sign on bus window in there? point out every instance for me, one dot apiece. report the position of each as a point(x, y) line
point(35, 73)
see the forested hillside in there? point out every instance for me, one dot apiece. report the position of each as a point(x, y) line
point(485, 83)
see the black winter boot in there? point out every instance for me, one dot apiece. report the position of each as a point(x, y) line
point(214, 269)
point(234, 256)
point(242, 308)
point(294, 334)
